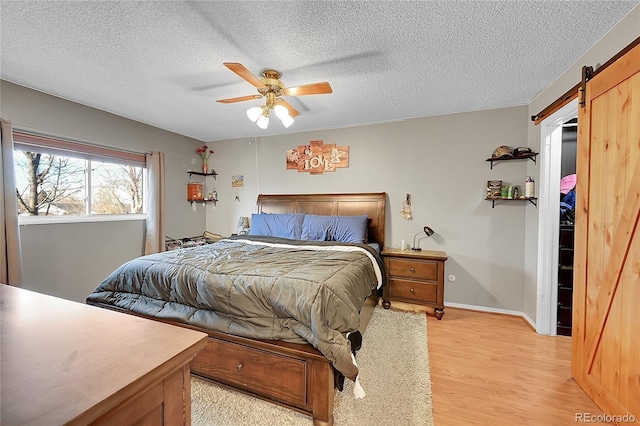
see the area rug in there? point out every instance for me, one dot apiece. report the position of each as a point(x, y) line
point(394, 372)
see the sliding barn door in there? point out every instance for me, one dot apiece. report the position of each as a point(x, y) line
point(606, 322)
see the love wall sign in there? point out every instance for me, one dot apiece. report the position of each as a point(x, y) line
point(317, 158)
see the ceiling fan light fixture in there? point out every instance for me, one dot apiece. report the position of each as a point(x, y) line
point(254, 113)
point(287, 120)
point(263, 121)
point(271, 88)
point(281, 111)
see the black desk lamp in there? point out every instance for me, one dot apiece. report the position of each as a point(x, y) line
point(427, 231)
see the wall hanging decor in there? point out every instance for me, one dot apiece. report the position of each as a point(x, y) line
point(317, 158)
point(237, 181)
point(406, 209)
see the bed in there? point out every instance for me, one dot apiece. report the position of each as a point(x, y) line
point(295, 372)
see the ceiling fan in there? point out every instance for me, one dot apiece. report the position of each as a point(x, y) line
point(273, 89)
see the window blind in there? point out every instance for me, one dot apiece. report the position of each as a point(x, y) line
point(25, 141)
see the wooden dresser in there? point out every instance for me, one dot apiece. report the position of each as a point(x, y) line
point(415, 277)
point(68, 363)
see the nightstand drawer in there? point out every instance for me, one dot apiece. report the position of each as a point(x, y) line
point(413, 290)
point(415, 269)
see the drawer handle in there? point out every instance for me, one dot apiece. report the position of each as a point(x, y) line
point(412, 270)
point(239, 367)
point(412, 291)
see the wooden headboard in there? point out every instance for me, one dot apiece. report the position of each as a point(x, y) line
point(372, 204)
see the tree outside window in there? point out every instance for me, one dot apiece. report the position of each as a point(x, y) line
point(54, 185)
point(116, 189)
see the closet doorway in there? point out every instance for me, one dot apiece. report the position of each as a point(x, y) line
point(549, 216)
point(567, 225)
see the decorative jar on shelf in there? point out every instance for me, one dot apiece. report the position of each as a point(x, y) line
point(529, 187)
point(204, 167)
point(194, 191)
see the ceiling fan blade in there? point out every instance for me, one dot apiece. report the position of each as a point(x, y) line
point(239, 99)
point(309, 89)
point(243, 72)
point(292, 111)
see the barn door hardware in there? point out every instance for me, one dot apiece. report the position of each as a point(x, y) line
point(587, 73)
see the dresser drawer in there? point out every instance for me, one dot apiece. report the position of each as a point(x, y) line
point(252, 369)
point(413, 290)
point(564, 316)
point(566, 236)
point(415, 269)
point(565, 277)
point(565, 256)
point(565, 297)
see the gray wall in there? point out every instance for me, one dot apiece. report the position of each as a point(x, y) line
point(70, 259)
point(440, 161)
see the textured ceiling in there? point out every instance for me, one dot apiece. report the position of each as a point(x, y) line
point(161, 62)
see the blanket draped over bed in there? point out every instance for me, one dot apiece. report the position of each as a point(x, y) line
point(256, 287)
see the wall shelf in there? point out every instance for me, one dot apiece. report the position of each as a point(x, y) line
point(211, 173)
point(530, 156)
point(532, 200)
point(202, 200)
point(195, 189)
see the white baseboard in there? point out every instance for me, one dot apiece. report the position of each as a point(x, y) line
point(522, 315)
point(530, 321)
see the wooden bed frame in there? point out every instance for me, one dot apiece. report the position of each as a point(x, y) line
point(296, 376)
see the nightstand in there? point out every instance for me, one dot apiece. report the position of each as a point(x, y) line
point(415, 277)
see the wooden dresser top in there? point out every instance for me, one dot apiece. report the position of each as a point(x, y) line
point(64, 361)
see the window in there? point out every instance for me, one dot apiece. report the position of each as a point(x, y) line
point(56, 177)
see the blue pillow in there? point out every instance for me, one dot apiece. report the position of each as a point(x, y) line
point(350, 229)
point(345, 229)
point(277, 225)
point(316, 227)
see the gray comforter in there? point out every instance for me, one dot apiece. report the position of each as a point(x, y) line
point(257, 287)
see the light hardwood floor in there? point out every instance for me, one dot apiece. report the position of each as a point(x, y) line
point(491, 369)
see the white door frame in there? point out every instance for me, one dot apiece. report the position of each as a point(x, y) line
point(549, 217)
